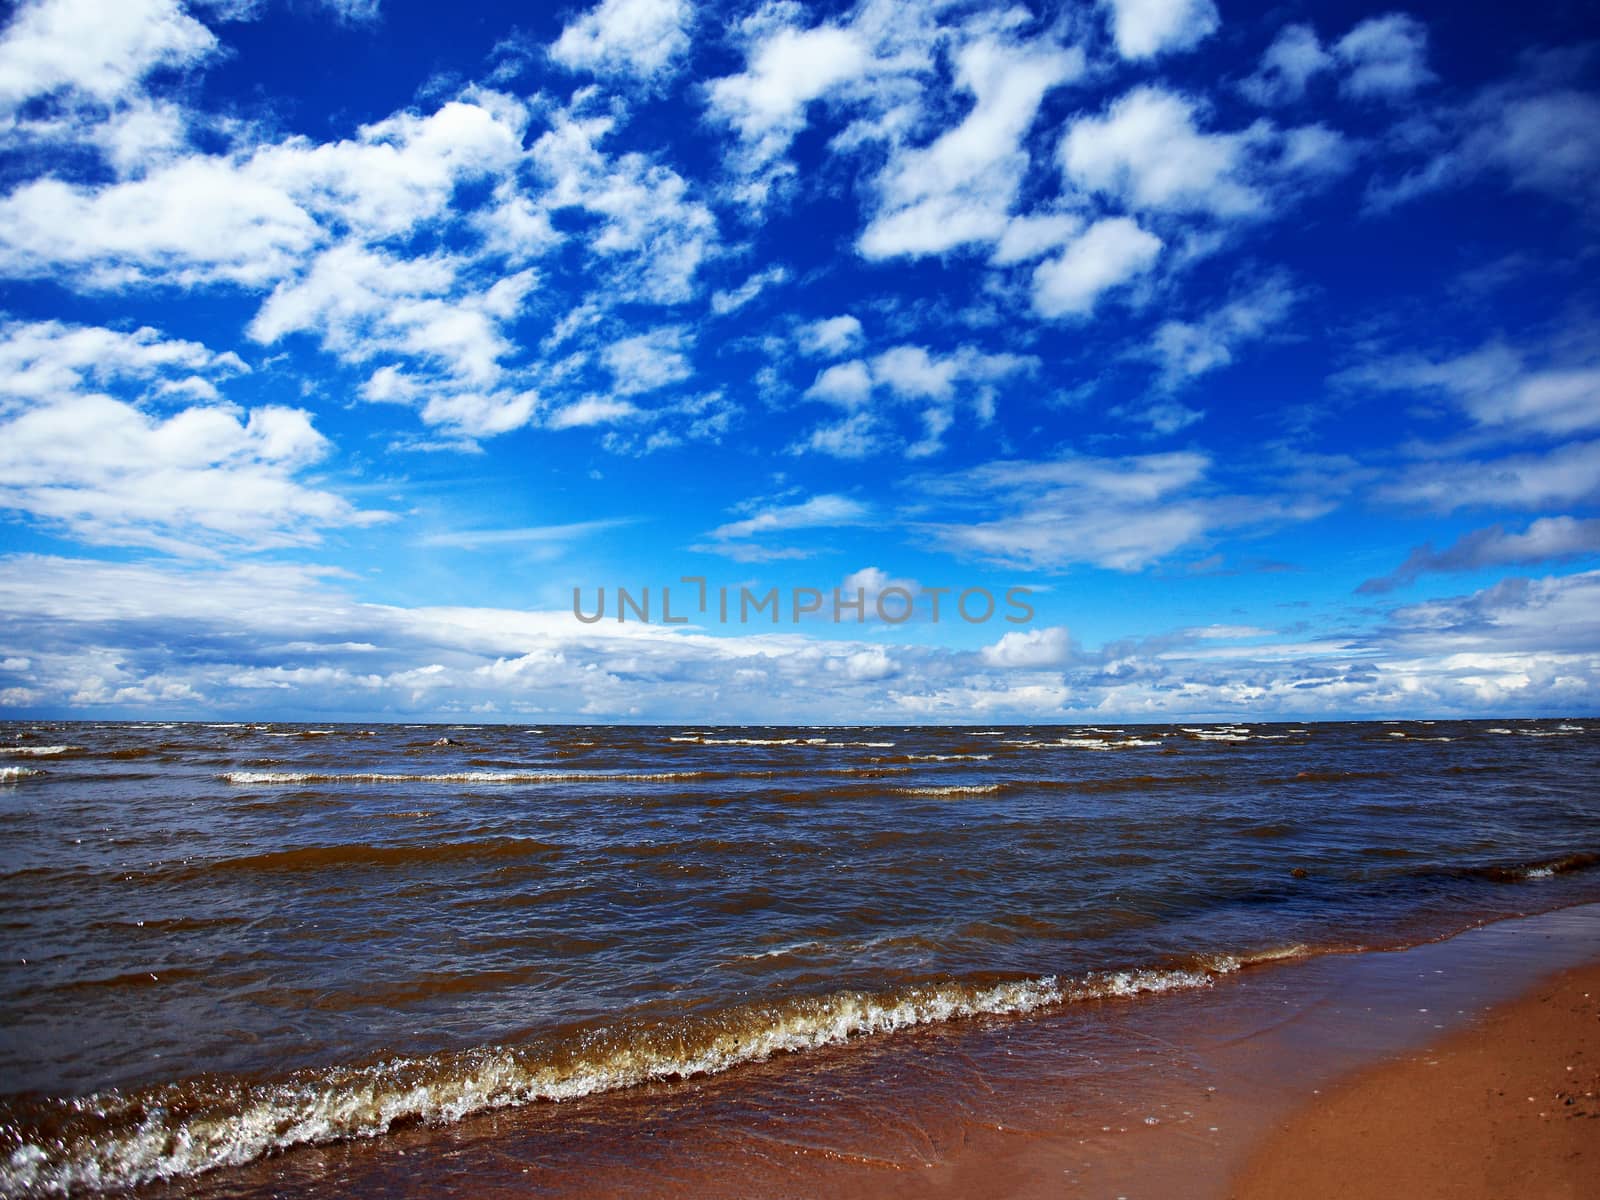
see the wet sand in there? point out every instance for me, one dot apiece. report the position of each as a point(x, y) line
point(1509, 1106)
point(1181, 1095)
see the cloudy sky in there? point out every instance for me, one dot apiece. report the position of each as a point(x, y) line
point(340, 340)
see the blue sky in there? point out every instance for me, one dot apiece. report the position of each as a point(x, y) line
point(340, 340)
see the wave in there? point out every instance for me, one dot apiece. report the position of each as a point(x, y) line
point(39, 751)
point(713, 741)
point(276, 778)
point(115, 1140)
point(970, 789)
point(12, 774)
point(1539, 869)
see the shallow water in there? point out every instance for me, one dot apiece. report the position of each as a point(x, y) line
point(221, 941)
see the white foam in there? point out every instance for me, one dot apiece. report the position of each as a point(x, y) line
point(240, 1123)
point(249, 1123)
point(38, 751)
point(12, 774)
point(973, 789)
point(271, 778)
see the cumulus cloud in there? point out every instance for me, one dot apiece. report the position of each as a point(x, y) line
point(649, 225)
point(644, 38)
point(648, 361)
point(1107, 255)
point(847, 383)
point(1295, 57)
point(40, 360)
point(593, 410)
point(365, 303)
point(960, 188)
point(251, 218)
point(1386, 57)
point(1382, 58)
point(935, 384)
point(829, 337)
point(854, 437)
point(1033, 649)
point(93, 50)
point(1148, 152)
point(147, 467)
point(1146, 28)
point(785, 70)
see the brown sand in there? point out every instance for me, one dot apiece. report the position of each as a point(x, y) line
point(1509, 1107)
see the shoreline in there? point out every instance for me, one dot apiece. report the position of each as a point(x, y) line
point(1134, 1098)
point(1245, 1110)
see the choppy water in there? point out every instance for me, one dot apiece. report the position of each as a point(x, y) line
point(222, 941)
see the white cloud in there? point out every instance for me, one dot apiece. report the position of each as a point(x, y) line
point(196, 221)
point(1295, 57)
point(1108, 254)
point(960, 188)
point(100, 637)
point(819, 511)
point(353, 11)
point(847, 383)
point(1032, 649)
point(1145, 28)
point(1147, 151)
point(593, 410)
point(205, 478)
point(534, 535)
point(251, 218)
point(42, 359)
point(626, 37)
point(1028, 237)
point(1187, 349)
point(874, 65)
point(785, 70)
point(1122, 514)
point(1567, 475)
point(367, 302)
point(1386, 57)
point(1549, 539)
point(1544, 143)
point(96, 50)
point(854, 437)
point(1500, 388)
point(731, 301)
point(650, 228)
point(1533, 130)
point(648, 361)
point(909, 374)
point(830, 337)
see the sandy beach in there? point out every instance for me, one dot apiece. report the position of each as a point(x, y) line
point(1509, 1106)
